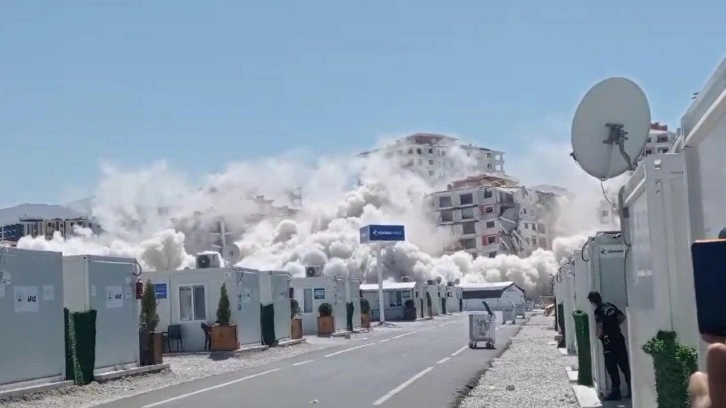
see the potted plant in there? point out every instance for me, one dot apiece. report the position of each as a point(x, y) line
point(326, 324)
point(224, 333)
point(151, 341)
point(365, 313)
point(409, 310)
point(296, 320)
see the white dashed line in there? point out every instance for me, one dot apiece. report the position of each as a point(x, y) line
point(303, 362)
point(347, 350)
point(385, 340)
point(443, 360)
point(406, 334)
point(457, 352)
point(209, 388)
point(402, 386)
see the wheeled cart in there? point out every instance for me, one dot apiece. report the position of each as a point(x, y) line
point(482, 328)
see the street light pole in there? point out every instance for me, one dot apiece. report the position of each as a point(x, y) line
point(379, 267)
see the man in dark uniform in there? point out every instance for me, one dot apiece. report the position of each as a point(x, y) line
point(608, 319)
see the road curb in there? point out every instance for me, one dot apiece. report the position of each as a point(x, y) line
point(463, 392)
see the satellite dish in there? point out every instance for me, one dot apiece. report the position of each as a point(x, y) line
point(231, 253)
point(610, 128)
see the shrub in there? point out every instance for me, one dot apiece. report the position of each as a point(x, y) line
point(408, 304)
point(673, 363)
point(365, 306)
point(148, 317)
point(325, 310)
point(224, 312)
point(294, 308)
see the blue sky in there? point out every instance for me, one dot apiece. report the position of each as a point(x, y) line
point(206, 82)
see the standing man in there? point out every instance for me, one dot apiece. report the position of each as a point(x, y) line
point(608, 319)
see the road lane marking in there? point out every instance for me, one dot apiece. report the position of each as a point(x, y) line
point(457, 352)
point(402, 386)
point(347, 350)
point(443, 360)
point(364, 338)
point(166, 401)
point(303, 362)
point(383, 341)
point(441, 325)
point(406, 334)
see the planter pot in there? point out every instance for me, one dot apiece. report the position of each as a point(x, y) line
point(152, 347)
point(365, 320)
point(224, 338)
point(296, 329)
point(409, 314)
point(326, 325)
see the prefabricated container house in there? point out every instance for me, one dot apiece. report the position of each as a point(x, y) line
point(500, 296)
point(454, 302)
point(188, 298)
point(395, 295)
point(107, 285)
point(311, 292)
point(31, 317)
point(280, 293)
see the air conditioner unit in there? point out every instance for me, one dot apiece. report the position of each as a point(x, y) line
point(405, 279)
point(439, 280)
point(313, 271)
point(210, 260)
point(457, 281)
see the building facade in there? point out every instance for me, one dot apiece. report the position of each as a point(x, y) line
point(660, 140)
point(494, 217)
point(438, 157)
point(45, 227)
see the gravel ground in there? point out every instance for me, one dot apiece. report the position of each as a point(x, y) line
point(183, 368)
point(530, 374)
point(191, 367)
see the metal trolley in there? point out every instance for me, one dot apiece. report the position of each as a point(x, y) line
point(482, 328)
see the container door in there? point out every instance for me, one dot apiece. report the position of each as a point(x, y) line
point(247, 307)
point(339, 312)
point(111, 287)
point(281, 300)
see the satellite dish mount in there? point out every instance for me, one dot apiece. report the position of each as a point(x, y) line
point(618, 135)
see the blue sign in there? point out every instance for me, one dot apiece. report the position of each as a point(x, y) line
point(160, 290)
point(382, 233)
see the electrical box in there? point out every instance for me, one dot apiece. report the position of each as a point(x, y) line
point(107, 285)
point(32, 339)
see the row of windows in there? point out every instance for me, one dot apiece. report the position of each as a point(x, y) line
point(466, 213)
point(468, 198)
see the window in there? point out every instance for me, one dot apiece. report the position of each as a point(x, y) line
point(307, 300)
point(431, 151)
point(466, 199)
point(649, 139)
point(489, 155)
point(431, 162)
point(490, 224)
point(491, 239)
point(604, 213)
point(662, 150)
point(493, 254)
point(431, 172)
point(488, 209)
point(410, 151)
point(445, 201)
point(467, 213)
point(488, 193)
point(447, 216)
point(192, 303)
point(468, 243)
point(394, 299)
point(524, 211)
point(648, 152)
point(469, 227)
point(662, 139)
point(489, 166)
point(534, 227)
point(418, 151)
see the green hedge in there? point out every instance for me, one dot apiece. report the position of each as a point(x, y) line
point(584, 355)
point(673, 364)
point(80, 336)
point(267, 324)
point(349, 309)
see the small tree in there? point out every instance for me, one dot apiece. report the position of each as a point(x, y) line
point(294, 308)
point(224, 312)
point(365, 306)
point(325, 310)
point(148, 316)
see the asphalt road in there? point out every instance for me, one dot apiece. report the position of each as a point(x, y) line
point(424, 367)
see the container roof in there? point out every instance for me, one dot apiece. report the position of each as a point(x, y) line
point(500, 286)
point(369, 287)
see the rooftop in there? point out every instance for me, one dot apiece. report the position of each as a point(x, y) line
point(387, 285)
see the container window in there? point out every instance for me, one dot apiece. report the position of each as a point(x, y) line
point(307, 300)
point(192, 303)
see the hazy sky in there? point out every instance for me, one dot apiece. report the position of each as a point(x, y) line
point(202, 83)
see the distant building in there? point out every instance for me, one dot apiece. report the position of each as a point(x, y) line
point(488, 216)
point(434, 156)
point(46, 227)
point(660, 140)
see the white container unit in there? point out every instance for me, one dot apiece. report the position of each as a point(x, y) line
point(605, 254)
point(280, 285)
point(433, 291)
point(453, 296)
point(190, 297)
point(340, 314)
point(568, 305)
point(31, 317)
point(311, 292)
point(106, 284)
point(582, 281)
point(659, 277)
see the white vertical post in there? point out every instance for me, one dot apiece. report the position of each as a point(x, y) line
point(379, 267)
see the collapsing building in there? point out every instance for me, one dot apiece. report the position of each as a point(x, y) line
point(489, 215)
